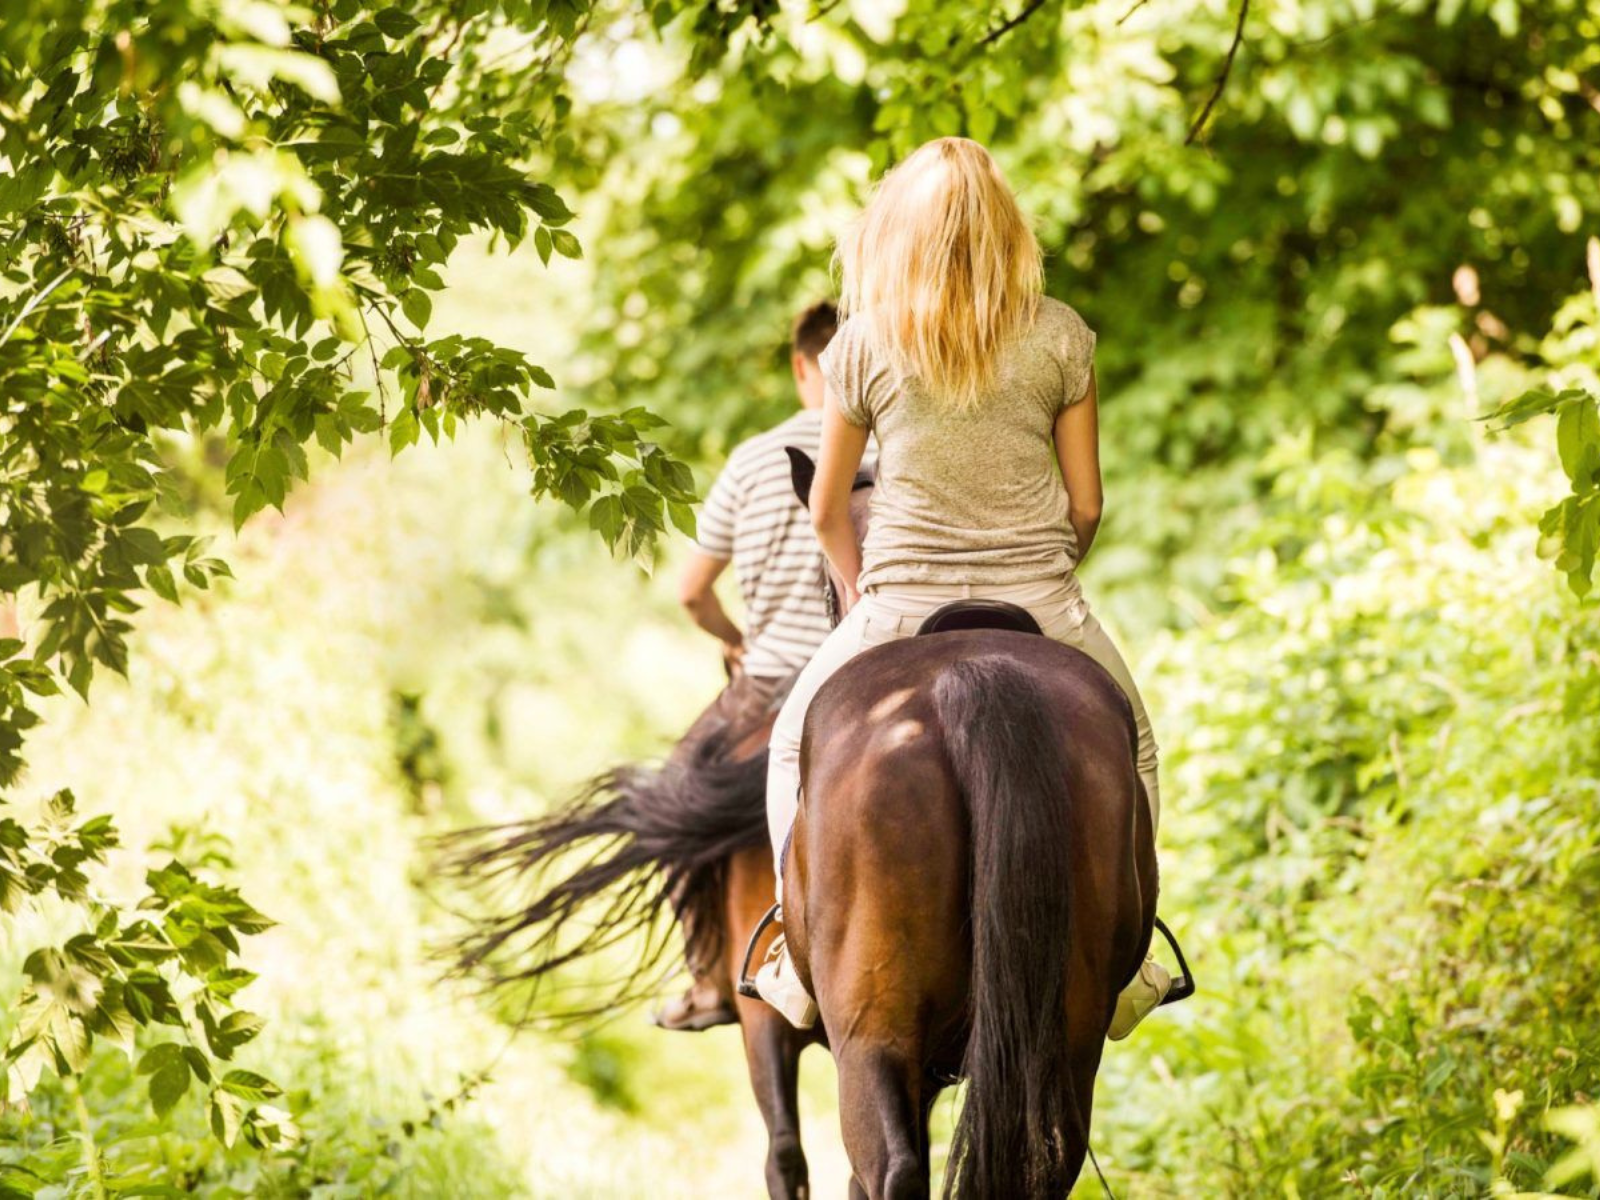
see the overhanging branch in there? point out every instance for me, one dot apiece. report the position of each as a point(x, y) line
point(995, 34)
point(1222, 78)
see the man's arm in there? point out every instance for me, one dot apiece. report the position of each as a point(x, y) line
point(710, 557)
point(698, 594)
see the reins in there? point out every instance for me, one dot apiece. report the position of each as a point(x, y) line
point(1106, 1186)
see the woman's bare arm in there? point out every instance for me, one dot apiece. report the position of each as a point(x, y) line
point(837, 462)
point(1077, 436)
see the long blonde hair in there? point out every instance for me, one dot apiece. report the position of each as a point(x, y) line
point(944, 265)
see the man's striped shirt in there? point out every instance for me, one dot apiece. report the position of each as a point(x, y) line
point(753, 518)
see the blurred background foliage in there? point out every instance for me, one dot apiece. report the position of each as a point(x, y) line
point(1380, 711)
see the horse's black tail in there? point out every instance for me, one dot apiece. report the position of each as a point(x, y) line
point(1009, 760)
point(636, 844)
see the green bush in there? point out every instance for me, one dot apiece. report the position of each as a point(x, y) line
point(1384, 769)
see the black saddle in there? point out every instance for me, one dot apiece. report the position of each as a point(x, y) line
point(979, 614)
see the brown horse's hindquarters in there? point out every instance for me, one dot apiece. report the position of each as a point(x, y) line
point(891, 859)
point(908, 749)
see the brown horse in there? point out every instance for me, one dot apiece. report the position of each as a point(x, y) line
point(971, 881)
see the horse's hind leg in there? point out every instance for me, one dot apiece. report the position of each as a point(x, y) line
point(771, 1045)
point(1085, 1021)
point(772, 1049)
point(881, 1110)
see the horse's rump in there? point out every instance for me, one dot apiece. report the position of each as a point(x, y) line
point(969, 893)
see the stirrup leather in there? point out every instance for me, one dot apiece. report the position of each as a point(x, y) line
point(747, 983)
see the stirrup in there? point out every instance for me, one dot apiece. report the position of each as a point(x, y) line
point(1183, 986)
point(747, 983)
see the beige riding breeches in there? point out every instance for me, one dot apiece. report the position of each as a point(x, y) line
point(897, 612)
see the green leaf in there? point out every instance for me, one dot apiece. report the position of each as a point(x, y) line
point(198, 1063)
point(70, 1039)
point(542, 198)
point(226, 981)
point(249, 1086)
point(112, 1020)
point(1534, 403)
point(403, 430)
point(169, 1085)
point(1578, 442)
point(251, 499)
point(237, 1028)
point(159, 1056)
point(163, 1055)
point(143, 545)
point(226, 1115)
point(566, 244)
point(417, 306)
point(606, 518)
point(159, 579)
point(395, 22)
point(682, 517)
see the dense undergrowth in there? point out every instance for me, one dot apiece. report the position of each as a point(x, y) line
point(1385, 826)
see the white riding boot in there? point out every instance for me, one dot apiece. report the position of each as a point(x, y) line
point(780, 986)
point(1140, 998)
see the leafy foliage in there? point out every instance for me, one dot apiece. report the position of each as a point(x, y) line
point(211, 216)
point(214, 257)
point(1570, 531)
point(1390, 742)
point(122, 977)
point(1300, 269)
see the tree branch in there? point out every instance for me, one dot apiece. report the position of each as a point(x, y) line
point(1137, 5)
point(994, 35)
point(1222, 79)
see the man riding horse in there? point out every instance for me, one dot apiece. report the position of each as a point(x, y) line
point(689, 836)
point(752, 520)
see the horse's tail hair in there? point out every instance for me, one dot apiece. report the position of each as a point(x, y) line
point(1010, 765)
point(636, 844)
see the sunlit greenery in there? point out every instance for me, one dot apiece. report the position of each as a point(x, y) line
point(1336, 317)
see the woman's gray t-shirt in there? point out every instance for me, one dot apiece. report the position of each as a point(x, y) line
point(975, 495)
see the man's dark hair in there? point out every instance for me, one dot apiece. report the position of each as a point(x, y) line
point(814, 328)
